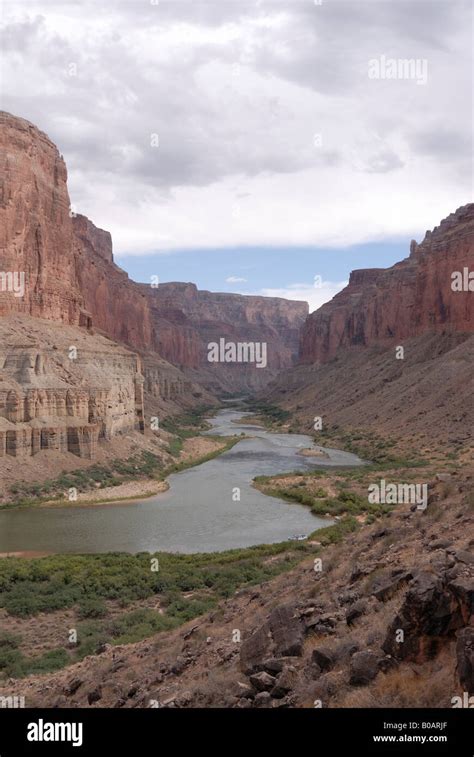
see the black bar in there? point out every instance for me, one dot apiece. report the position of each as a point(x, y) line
point(138, 731)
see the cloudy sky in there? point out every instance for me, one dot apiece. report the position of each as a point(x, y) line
point(243, 141)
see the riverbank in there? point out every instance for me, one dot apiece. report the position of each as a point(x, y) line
point(116, 599)
point(344, 588)
point(195, 451)
point(140, 471)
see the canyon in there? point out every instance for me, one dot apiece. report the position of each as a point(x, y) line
point(70, 278)
point(393, 351)
point(88, 356)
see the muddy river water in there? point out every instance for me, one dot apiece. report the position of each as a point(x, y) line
point(199, 513)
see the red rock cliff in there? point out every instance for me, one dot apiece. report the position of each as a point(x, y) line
point(35, 225)
point(213, 315)
point(411, 298)
point(71, 275)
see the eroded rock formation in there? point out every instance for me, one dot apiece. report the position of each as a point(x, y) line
point(187, 320)
point(413, 297)
point(63, 389)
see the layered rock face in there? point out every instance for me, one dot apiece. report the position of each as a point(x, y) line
point(57, 265)
point(114, 304)
point(188, 320)
point(35, 228)
point(413, 297)
point(63, 389)
point(70, 276)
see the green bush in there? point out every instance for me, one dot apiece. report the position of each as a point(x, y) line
point(92, 608)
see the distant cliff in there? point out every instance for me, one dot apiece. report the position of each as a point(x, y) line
point(187, 320)
point(413, 297)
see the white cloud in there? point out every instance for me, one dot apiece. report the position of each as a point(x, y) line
point(237, 93)
point(315, 296)
point(234, 279)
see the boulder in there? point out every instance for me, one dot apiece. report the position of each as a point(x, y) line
point(273, 665)
point(255, 649)
point(95, 695)
point(364, 668)
point(285, 683)
point(355, 611)
point(385, 586)
point(324, 658)
point(73, 685)
point(430, 611)
point(262, 681)
point(287, 631)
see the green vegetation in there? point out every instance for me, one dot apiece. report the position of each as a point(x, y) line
point(227, 442)
point(368, 446)
point(175, 446)
point(187, 424)
point(15, 665)
point(270, 415)
point(346, 502)
point(143, 465)
point(185, 586)
point(336, 533)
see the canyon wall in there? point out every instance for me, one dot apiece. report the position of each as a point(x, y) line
point(70, 276)
point(413, 297)
point(63, 389)
point(178, 321)
point(187, 320)
point(35, 224)
point(57, 266)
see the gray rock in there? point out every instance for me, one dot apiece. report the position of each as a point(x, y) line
point(355, 611)
point(364, 668)
point(73, 685)
point(286, 631)
point(286, 682)
point(263, 699)
point(385, 587)
point(242, 690)
point(465, 557)
point(324, 658)
point(254, 650)
point(273, 665)
point(95, 695)
point(346, 649)
point(262, 681)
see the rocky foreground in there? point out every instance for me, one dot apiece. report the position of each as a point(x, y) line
point(382, 619)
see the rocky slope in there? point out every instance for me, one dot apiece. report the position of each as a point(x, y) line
point(313, 638)
point(350, 374)
point(427, 395)
point(413, 297)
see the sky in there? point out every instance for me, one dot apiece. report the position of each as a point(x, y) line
point(249, 145)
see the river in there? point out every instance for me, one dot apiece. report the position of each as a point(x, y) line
point(197, 514)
